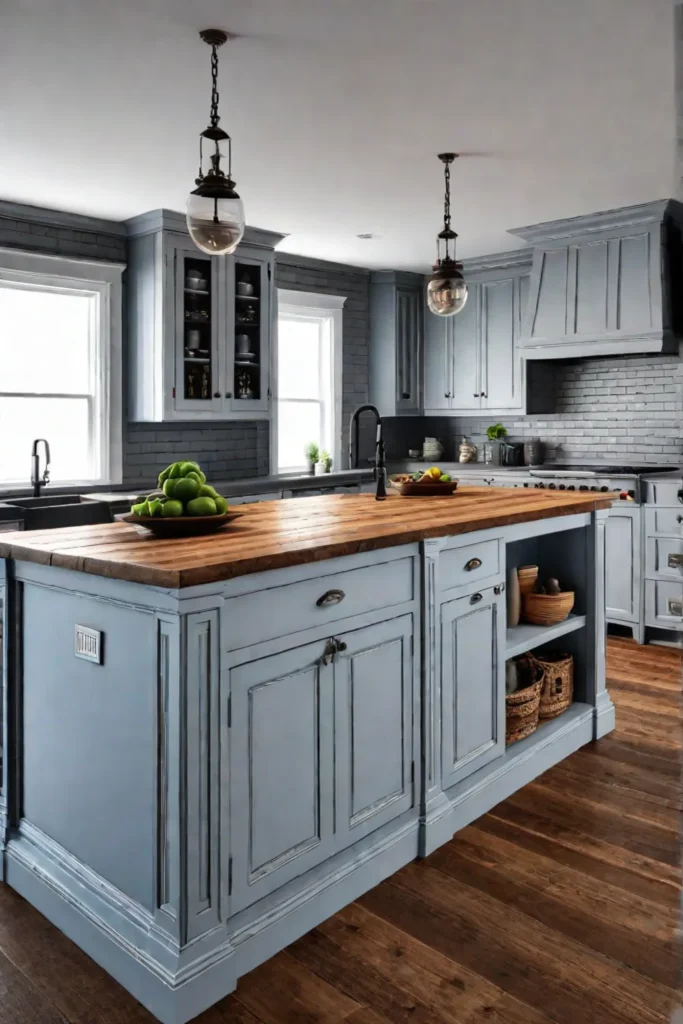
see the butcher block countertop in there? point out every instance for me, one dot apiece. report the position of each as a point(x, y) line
point(276, 534)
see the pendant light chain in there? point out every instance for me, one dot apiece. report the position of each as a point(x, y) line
point(214, 87)
point(447, 204)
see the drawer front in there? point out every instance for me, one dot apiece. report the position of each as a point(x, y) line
point(664, 492)
point(664, 520)
point(664, 559)
point(470, 563)
point(664, 604)
point(294, 607)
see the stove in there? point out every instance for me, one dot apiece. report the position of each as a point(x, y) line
point(593, 477)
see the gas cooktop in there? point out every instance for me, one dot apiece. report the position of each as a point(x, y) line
point(602, 470)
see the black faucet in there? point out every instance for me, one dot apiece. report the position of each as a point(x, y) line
point(36, 478)
point(379, 472)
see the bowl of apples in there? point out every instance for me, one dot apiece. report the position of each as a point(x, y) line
point(433, 482)
point(184, 505)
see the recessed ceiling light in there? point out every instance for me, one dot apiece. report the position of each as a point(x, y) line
point(367, 235)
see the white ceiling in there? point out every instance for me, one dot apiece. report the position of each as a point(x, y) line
point(337, 109)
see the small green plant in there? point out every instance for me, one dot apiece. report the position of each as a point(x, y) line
point(312, 452)
point(497, 432)
point(326, 460)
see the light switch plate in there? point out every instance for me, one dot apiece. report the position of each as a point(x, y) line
point(89, 644)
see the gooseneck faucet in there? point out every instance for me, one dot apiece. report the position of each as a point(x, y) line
point(379, 472)
point(36, 478)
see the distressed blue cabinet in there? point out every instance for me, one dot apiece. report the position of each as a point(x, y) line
point(321, 752)
point(472, 684)
point(623, 563)
point(396, 342)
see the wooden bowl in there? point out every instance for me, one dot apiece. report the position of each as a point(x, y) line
point(547, 609)
point(180, 526)
point(421, 488)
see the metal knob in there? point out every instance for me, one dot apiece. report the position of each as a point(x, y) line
point(405, 394)
point(474, 563)
point(679, 519)
point(228, 394)
point(216, 394)
point(447, 394)
point(476, 598)
point(476, 395)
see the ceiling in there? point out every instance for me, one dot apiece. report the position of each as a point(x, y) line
point(337, 109)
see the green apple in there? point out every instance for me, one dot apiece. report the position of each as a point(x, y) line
point(169, 487)
point(221, 505)
point(172, 508)
point(185, 488)
point(201, 507)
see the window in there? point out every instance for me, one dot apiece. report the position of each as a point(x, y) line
point(308, 376)
point(60, 367)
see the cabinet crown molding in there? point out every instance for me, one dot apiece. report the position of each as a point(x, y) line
point(625, 217)
point(515, 258)
point(171, 220)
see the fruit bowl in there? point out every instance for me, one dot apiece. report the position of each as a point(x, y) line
point(410, 488)
point(180, 526)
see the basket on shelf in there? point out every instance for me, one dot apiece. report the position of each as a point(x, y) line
point(522, 706)
point(547, 609)
point(557, 688)
point(527, 576)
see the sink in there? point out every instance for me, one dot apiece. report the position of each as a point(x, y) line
point(50, 511)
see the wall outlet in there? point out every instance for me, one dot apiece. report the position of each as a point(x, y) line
point(89, 644)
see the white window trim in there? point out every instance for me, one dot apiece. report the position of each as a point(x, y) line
point(314, 304)
point(104, 279)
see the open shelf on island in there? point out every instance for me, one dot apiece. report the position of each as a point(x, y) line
point(525, 637)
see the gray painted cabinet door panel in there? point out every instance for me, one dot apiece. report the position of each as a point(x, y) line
point(466, 369)
point(472, 685)
point(438, 361)
point(374, 695)
point(281, 770)
point(407, 350)
point(622, 563)
point(501, 378)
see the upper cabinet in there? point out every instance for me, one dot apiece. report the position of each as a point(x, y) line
point(472, 360)
point(199, 326)
point(602, 284)
point(396, 342)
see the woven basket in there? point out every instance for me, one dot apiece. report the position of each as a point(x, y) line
point(557, 688)
point(521, 707)
point(527, 576)
point(547, 609)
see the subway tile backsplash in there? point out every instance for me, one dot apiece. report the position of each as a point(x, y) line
point(627, 409)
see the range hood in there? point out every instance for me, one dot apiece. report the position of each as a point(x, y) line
point(605, 284)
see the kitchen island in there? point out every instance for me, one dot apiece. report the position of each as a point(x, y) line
point(213, 744)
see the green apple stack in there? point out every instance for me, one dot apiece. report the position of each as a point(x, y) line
point(183, 491)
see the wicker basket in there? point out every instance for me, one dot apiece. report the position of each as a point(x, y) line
point(557, 689)
point(521, 707)
point(547, 609)
point(527, 576)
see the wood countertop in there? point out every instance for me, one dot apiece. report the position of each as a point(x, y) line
point(276, 534)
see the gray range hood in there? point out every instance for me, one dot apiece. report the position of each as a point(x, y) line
point(605, 284)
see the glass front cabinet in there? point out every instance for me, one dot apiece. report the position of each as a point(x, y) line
point(199, 326)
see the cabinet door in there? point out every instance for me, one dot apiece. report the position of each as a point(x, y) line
point(375, 694)
point(281, 770)
point(198, 323)
point(408, 352)
point(622, 563)
point(467, 386)
point(500, 354)
point(247, 342)
point(472, 684)
point(438, 362)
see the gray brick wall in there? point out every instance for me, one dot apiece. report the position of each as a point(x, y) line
point(306, 275)
point(626, 410)
point(59, 234)
point(226, 451)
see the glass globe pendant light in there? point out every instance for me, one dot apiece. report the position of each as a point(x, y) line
point(447, 290)
point(215, 212)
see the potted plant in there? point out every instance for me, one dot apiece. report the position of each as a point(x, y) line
point(326, 460)
point(312, 454)
point(495, 434)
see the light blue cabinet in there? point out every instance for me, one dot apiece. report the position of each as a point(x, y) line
point(472, 684)
point(322, 749)
point(472, 360)
point(623, 563)
point(396, 342)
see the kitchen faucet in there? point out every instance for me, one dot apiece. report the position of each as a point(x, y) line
point(36, 479)
point(379, 472)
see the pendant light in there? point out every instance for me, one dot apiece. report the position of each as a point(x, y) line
point(446, 291)
point(215, 212)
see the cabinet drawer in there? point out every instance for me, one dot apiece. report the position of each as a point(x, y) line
point(664, 520)
point(470, 563)
point(664, 558)
point(664, 492)
point(664, 604)
point(294, 607)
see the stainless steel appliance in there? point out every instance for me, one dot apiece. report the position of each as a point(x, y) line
point(511, 453)
point(626, 480)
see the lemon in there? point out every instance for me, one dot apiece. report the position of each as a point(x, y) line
point(434, 472)
point(201, 507)
point(172, 508)
point(185, 489)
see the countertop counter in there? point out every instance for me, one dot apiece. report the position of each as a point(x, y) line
point(275, 534)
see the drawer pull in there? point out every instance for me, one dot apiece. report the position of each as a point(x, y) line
point(680, 495)
point(476, 598)
point(675, 561)
point(332, 648)
point(679, 519)
point(330, 597)
point(474, 563)
point(499, 588)
point(676, 608)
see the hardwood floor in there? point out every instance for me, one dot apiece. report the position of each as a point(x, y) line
point(561, 905)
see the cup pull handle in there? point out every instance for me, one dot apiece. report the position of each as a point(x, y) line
point(474, 563)
point(476, 598)
point(330, 597)
point(675, 608)
point(675, 561)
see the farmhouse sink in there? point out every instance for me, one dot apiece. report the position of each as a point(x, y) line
point(50, 511)
point(45, 500)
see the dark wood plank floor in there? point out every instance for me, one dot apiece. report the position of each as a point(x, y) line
point(561, 905)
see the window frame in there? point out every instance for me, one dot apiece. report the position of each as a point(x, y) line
point(104, 281)
point(319, 307)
